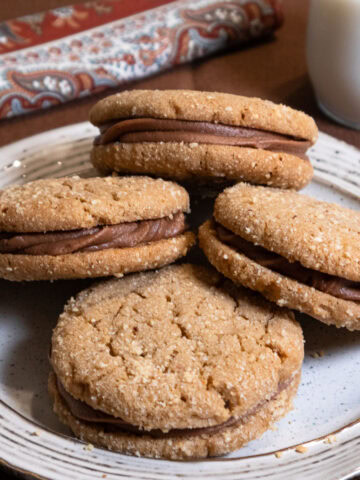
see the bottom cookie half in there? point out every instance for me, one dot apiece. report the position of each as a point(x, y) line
point(112, 261)
point(185, 447)
point(186, 162)
point(282, 290)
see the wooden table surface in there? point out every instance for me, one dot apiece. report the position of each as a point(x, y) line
point(275, 70)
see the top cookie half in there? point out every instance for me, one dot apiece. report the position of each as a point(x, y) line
point(71, 203)
point(191, 135)
point(321, 236)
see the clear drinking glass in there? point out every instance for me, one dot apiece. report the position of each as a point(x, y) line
point(333, 57)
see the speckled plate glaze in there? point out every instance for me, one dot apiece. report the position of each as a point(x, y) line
point(326, 415)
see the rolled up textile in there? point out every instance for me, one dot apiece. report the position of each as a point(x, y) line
point(53, 57)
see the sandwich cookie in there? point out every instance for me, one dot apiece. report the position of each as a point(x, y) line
point(77, 228)
point(202, 137)
point(299, 252)
point(175, 363)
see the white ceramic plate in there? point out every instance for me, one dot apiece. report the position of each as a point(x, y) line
point(33, 442)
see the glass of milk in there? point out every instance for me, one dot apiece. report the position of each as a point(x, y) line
point(333, 56)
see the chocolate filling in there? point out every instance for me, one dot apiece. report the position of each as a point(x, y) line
point(138, 130)
point(335, 286)
point(83, 412)
point(94, 239)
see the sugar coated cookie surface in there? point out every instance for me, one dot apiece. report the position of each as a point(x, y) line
point(206, 136)
point(297, 251)
point(170, 352)
point(74, 227)
point(280, 289)
point(213, 107)
point(204, 163)
point(72, 202)
point(320, 235)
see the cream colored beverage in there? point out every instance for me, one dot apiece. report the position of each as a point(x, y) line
point(333, 55)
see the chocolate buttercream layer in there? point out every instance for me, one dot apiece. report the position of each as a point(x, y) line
point(85, 413)
point(335, 286)
point(122, 235)
point(140, 130)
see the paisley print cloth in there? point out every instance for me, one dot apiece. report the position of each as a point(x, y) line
point(50, 58)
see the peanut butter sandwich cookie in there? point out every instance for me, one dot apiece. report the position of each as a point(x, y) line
point(176, 363)
point(203, 137)
point(297, 251)
point(76, 228)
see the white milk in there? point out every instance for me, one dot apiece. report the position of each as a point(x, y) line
point(333, 55)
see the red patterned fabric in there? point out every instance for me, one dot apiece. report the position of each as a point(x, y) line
point(53, 57)
point(43, 27)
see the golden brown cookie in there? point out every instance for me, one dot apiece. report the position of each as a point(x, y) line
point(76, 228)
point(297, 251)
point(176, 363)
point(203, 136)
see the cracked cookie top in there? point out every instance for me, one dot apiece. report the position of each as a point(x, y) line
point(72, 202)
point(176, 348)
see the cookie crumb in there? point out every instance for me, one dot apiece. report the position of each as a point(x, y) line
point(301, 449)
point(330, 439)
point(89, 447)
point(278, 454)
point(319, 354)
point(35, 433)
